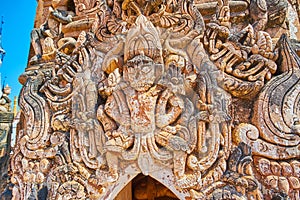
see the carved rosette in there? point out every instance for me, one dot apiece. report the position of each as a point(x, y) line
point(146, 87)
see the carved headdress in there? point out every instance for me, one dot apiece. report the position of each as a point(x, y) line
point(143, 39)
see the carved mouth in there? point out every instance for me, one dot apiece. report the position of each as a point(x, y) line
point(141, 87)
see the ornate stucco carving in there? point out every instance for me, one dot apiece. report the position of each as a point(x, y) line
point(6, 119)
point(195, 95)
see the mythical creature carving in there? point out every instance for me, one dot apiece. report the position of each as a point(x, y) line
point(188, 93)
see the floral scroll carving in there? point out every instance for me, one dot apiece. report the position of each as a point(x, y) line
point(155, 88)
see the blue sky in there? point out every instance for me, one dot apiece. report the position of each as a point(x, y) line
point(18, 23)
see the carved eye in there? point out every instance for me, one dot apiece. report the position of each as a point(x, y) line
point(139, 61)
point(146, 69)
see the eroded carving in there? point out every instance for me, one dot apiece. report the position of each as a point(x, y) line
point(154, 87)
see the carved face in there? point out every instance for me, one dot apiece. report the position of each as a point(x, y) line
point(140, 73)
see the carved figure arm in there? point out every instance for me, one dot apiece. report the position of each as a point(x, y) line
point(164, 117)
point(117, 109)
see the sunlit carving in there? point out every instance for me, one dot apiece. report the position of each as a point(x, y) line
point(192, 94)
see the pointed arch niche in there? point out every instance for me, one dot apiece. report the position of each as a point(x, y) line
point(145, 187)
point(160, 185)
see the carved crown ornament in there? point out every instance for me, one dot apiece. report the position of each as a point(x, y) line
point(200, 96)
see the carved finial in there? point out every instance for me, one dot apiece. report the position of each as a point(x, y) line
point(2, 52)
point(2, 22)
point(15, 106)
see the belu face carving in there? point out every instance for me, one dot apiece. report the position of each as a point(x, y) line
point(140, 73)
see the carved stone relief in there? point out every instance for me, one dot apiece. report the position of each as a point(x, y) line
point(196, 96)
point(6, 119)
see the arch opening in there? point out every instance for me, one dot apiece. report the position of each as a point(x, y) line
point(145, 187)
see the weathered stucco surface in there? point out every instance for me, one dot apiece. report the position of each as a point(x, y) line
point(160, 99)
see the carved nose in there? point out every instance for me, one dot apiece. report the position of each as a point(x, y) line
point(137, 74)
